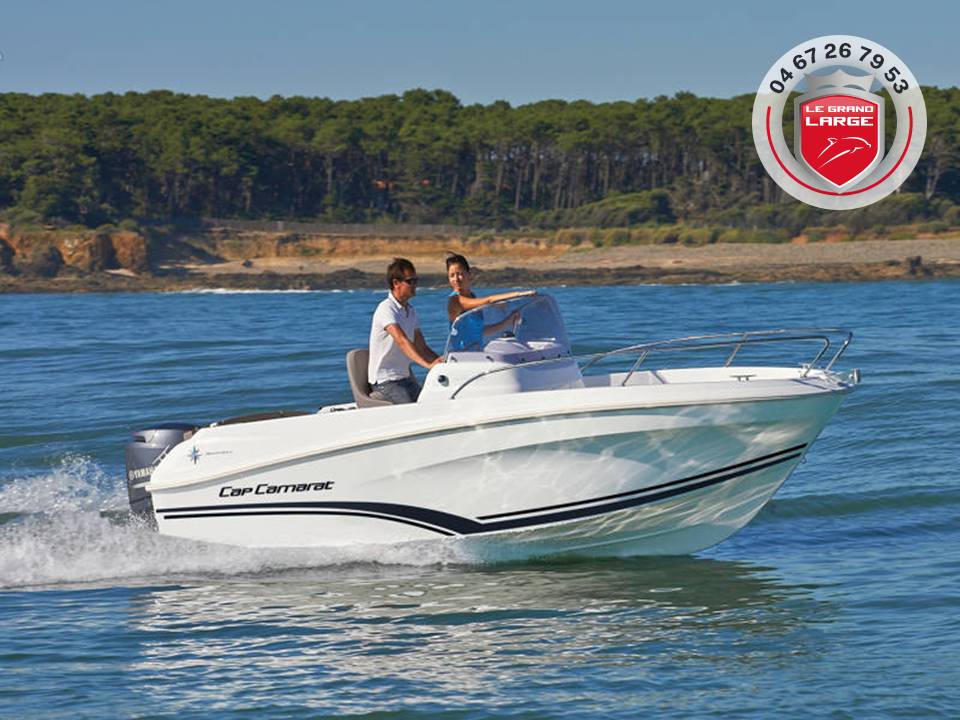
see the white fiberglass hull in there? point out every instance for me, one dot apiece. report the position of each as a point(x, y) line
point(591, 471)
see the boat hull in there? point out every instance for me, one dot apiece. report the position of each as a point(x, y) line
point(672, 479)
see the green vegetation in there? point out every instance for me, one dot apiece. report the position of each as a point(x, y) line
point(682, 162)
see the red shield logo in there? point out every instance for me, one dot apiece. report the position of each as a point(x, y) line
point(839, 134)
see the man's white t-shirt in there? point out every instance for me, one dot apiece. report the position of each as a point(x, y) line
point(387, 361)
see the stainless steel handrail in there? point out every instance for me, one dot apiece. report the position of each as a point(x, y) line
point(696, 343)
point(746, 339)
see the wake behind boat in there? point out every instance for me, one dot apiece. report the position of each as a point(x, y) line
point(515, 443)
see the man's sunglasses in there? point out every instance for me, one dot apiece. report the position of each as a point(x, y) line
point(410, 280)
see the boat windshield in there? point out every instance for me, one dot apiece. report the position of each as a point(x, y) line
point(510, 329)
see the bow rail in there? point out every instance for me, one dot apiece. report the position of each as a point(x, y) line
point(824, 338)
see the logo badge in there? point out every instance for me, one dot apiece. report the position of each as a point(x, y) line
point(839, 128)
point(839, 158)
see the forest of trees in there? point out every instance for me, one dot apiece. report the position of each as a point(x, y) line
point(422, 157)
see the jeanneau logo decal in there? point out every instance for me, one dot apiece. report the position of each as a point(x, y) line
point(838, 160)
point(196, 453)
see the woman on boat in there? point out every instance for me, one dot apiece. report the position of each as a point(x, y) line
point(470, 331)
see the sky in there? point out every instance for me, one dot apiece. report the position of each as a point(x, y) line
point(521, 52)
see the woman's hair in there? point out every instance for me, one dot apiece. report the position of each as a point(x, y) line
point(457, 259)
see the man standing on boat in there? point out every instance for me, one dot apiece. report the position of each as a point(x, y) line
point(396, 339)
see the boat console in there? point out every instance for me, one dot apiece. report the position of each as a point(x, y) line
point(516, 333)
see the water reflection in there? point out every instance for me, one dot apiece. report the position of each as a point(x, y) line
point(330, 637)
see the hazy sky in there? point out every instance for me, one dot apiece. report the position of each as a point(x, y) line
point(481, 50)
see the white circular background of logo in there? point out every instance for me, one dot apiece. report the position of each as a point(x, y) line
point(793, 177)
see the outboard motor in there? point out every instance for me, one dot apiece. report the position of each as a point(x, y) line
point(143, 454)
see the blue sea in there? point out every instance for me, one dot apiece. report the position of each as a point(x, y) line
point(840, 600)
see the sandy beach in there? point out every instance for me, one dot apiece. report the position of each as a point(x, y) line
point(545, 264)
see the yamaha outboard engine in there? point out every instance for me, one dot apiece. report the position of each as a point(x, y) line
point(143, 454)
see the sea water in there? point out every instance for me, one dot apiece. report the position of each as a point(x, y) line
point(841, 599)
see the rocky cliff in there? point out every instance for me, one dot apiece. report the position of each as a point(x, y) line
point(61, 260)
point(47, 253)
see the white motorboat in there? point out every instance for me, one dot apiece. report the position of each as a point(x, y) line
point(514, 444)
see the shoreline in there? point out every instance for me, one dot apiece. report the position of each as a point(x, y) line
point(722, 263)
